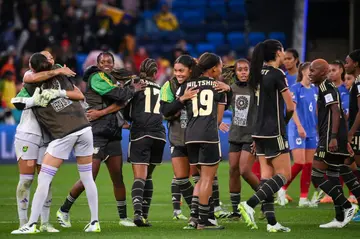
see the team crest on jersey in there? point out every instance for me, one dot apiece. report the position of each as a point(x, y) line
point(298, 141)
point(241, 110)
point(25, 149)
point(60, 103)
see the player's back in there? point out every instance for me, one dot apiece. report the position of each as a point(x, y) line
point(202, 111)
point(144, 113)
point(270, 118)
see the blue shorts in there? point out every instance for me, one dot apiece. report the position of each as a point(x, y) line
point(300, 143)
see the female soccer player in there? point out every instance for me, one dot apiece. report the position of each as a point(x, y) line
point(29, 144)
point(147, 140)
point(173, 109)
point(291, 62)
point(103, 93)
point(302, 133)
point(204, 113)
point(349, 81)
point(269, 135)
point(241, 155)
point(76, 134)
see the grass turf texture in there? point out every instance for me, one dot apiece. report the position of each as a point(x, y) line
point(304, 223)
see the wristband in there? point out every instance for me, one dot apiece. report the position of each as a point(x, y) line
point(333, 136)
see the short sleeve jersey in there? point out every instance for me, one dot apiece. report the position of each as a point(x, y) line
point(270, 121)
point(144, 112)
point(202, 111)
point(329, 95)
point(305, 99)
point(353, 105)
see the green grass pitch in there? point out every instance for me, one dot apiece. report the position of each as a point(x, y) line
point(304, 223)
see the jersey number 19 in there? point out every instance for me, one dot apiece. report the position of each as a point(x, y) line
point(148, 97)
point(206, 100)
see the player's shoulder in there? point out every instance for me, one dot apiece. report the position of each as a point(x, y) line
point(327, 85)
point(152, 84)
point(295, 87)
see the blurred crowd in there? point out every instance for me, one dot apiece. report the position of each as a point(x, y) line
point(67, 28)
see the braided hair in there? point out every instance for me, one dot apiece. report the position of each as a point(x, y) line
point(148, 68)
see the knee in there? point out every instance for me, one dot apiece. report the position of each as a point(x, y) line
point(234, 171)
point(118, 181)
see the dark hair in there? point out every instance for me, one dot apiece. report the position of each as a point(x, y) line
point(229, 72)
point(186, 60)
point(121, 74)
point(355, 56)
point(206, 61)
point(295, 54)
point(148, 68)
point(263, 52)
point(105, 53)
point(39, 62)
point(302, 66)
point(341, 65)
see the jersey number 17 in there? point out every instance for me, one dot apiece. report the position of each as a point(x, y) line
point(149, 95)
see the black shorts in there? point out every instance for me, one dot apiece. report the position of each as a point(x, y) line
point(355, 143)
point(178, 151)
point(146, 151)
point(271, 147)
point(204, 153)
point(103, 149)
point(329, 158)
point(234, 148)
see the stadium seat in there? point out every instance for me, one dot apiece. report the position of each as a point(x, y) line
point(256, 37)
point(278, 36)
point(193, 16)
point(238, 7)
point(218, 7)
point(215, 27)
point(235, 17)
point(235, 26)
point(223, 49)
point(212, 17)
point(179, 4)
point(193, 4)
point(236, 39)
point(151, 48)
point(216, 38)
point(194, 37)
point(205, 47)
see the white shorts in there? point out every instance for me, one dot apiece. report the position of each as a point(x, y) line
point(81, 141)
point(29, 147)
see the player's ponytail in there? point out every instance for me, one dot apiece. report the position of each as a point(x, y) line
point(257, 61)
point(206, 61)
point(148, 69)
point(303, 66)
point(263, 52)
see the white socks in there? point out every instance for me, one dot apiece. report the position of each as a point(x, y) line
point(86, 177)
point(45, 177)
point(23, 196)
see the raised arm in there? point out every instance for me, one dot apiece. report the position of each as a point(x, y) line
point(31, 77)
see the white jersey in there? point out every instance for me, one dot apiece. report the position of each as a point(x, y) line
point(28, 123)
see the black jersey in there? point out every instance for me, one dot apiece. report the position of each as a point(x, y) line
point(202, 111)
point(270, 121)
point(328, 95)
point(144, 113)
point(243, 104)
point(353, 105)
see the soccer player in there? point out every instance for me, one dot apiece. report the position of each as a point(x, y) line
point(349, 81)
point(104, 94)
point(337, 76)
point(29, 144)
point(204, 113)
point(76, 134)
point(241, 152)
point(174, 111)
point(147, 140)
point(291, 63)
point(333, 147)
point(352, 67)
point(302, 134)
point(269, 136)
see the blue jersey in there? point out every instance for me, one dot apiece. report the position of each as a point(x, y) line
point(305, 99)
point(344, 95)
point(291, 79)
